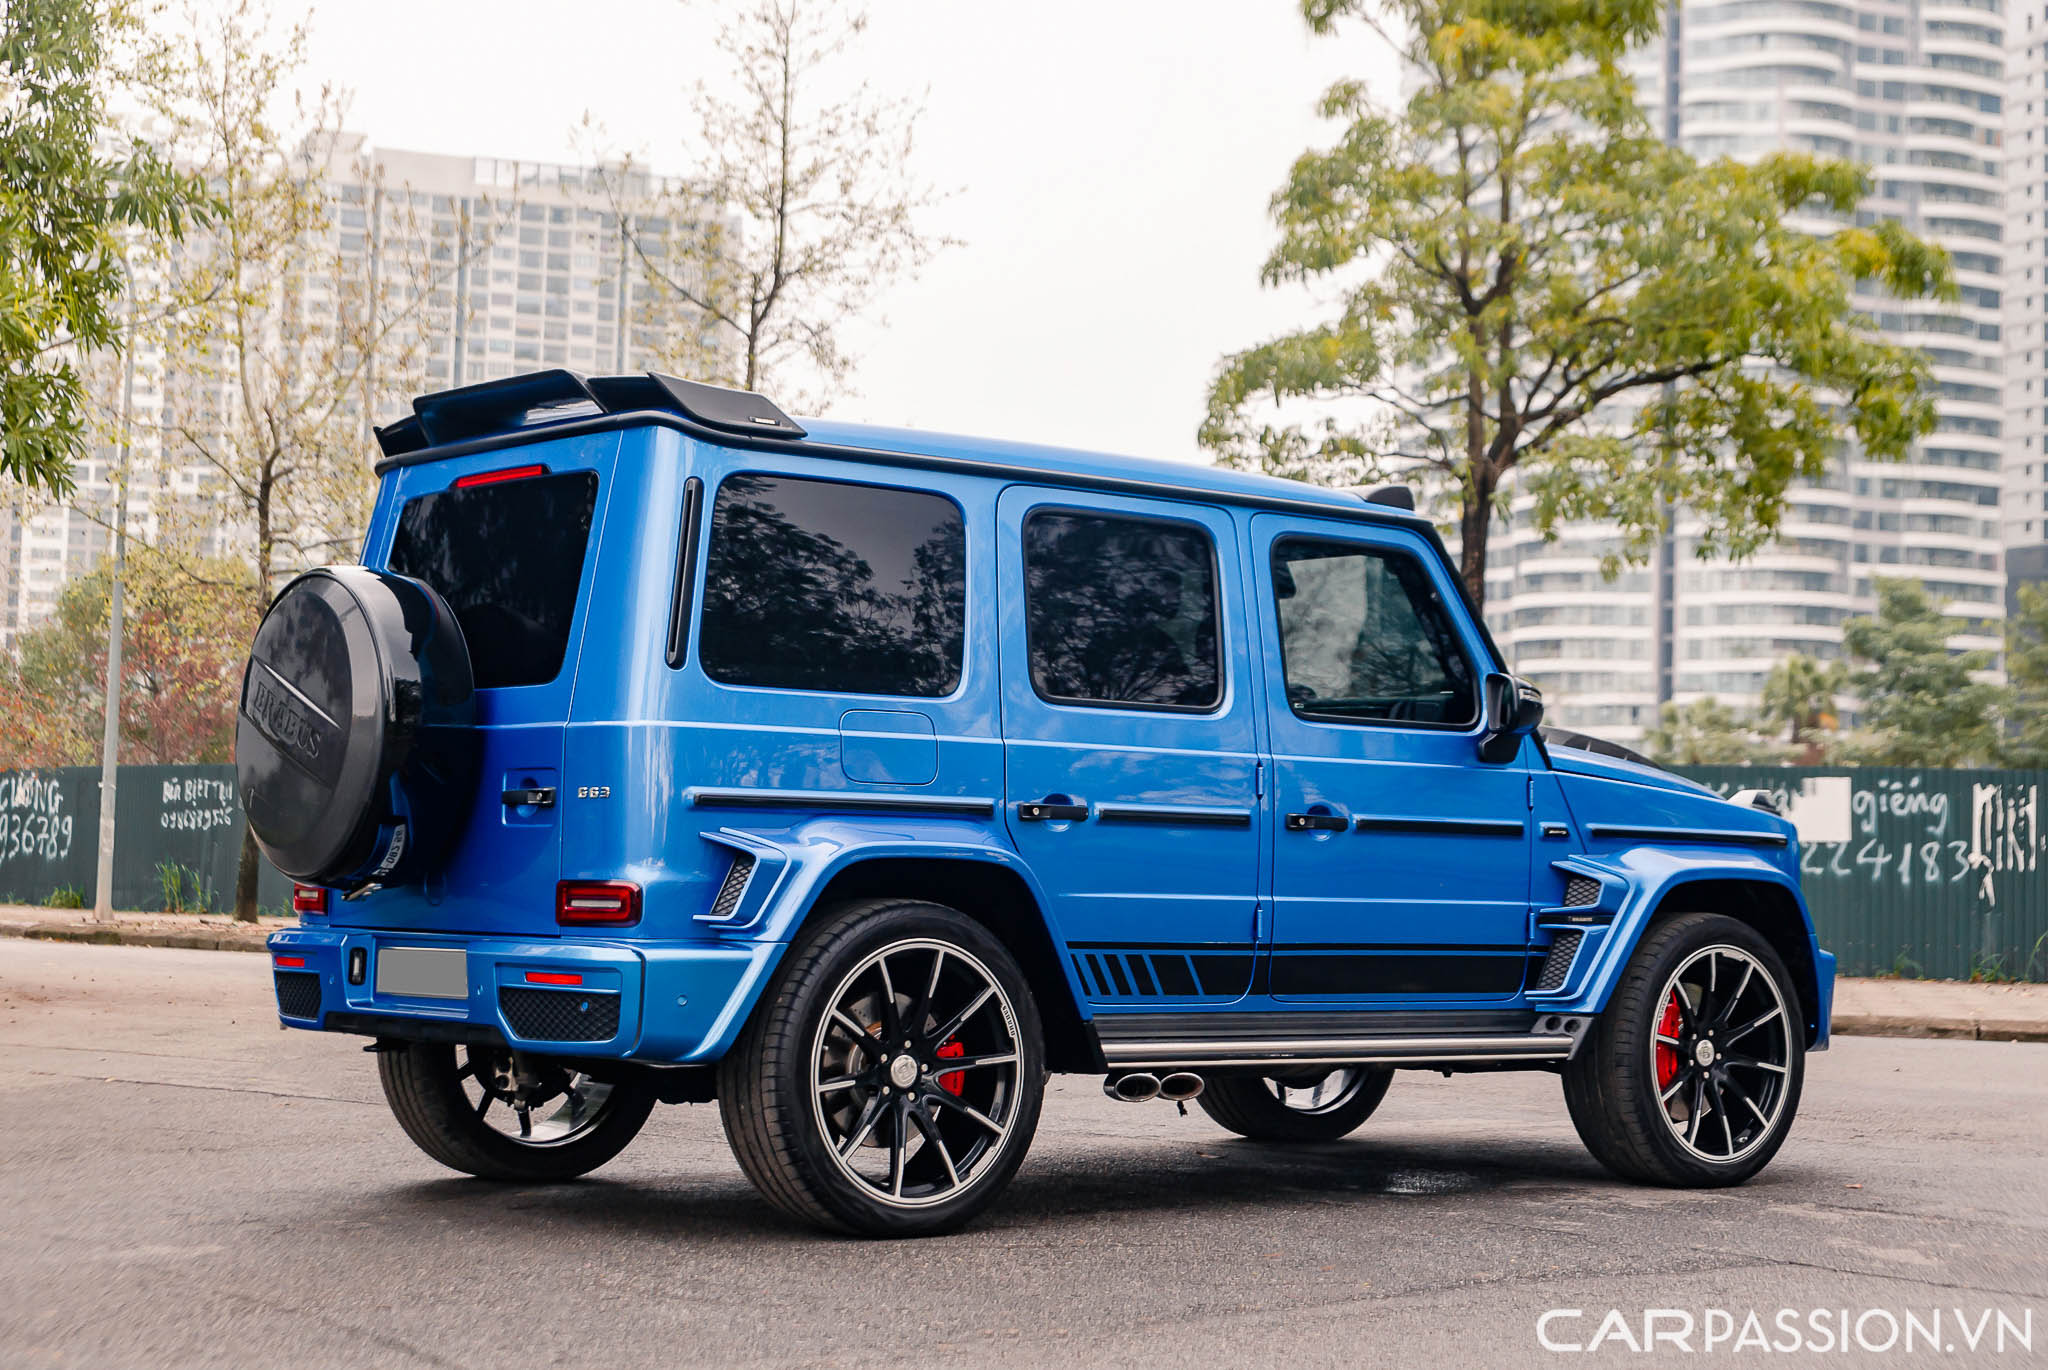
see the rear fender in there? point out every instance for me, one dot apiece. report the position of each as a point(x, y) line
point(1637, 883)
point(795, 863)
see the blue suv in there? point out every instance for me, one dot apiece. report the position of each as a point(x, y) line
point(664, 749)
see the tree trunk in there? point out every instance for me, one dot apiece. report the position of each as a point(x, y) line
point(246, 871)
point(1474, 518)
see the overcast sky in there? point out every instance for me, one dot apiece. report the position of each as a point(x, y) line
point(1112, 161)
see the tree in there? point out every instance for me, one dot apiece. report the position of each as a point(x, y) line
point(2026, 671)
point(1799, 700)
point(1706, 732)
point(183, 644)
point(802, 208)
point(1921, 702)
point(1534, 288)
point(71, 194)
point(285, 339)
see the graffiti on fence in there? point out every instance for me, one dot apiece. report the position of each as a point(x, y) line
point(198, 804)
point(35, 823)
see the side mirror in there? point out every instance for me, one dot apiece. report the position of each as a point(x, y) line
point(1510, 710)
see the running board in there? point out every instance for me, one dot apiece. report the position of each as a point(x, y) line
point(1345, 1051)
point(1156, 1041)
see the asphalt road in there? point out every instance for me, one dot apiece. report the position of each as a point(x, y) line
point(184, 1184)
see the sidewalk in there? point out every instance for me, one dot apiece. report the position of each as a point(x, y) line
point(214, 932)
point(1863, 1008)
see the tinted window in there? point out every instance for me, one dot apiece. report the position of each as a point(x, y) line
point(1121, 611)
point(508, 558)
point(819, 585)
point(1363, 636)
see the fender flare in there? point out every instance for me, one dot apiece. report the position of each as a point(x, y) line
point(1635, 884)
point(794, 865)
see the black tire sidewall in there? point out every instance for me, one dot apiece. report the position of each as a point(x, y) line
point(812, 974)
point(1244, 1105)
point(1622, 1058)
point(426, 1095)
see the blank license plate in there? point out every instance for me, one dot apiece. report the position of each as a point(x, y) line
point(423, 972)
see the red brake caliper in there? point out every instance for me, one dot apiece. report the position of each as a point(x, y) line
point(956, 1081)
point(1667, 1055)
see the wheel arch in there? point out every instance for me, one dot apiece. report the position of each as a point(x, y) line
point(998, 898)
point(1767, 906)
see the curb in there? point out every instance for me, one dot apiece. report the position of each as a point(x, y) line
point(116, 937)
point(1958, 1029)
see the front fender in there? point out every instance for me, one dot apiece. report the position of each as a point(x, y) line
point(1635, 882)
point(793, 865)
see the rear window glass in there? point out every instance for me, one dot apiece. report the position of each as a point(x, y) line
point(508, 558)
point(1121, 611)
point(823, 585)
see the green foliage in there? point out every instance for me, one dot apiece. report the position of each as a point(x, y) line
point(69, 198)
point(2026, 671)
point(1707, 732)
point(1533, 286)
point(182, 889)
point(1799, 702)
point(66, 897)
point(1920, 701)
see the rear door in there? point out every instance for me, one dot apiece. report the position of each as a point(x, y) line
point(508, 539)
point(1131, 741)
point(1400, 859)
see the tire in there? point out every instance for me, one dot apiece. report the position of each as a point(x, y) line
point(1744, 1047)
point(424, 1084)
point(890, 1146)
point(1250, 1106)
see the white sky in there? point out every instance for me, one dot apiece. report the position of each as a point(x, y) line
point(1113, 160)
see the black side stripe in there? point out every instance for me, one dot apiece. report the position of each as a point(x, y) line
point(1164, 815)
point(1464, 827)
point(841, 800)
point(1740, 837)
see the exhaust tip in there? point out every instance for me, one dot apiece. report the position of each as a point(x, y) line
point(1131, 1089)
point(1180, 1086)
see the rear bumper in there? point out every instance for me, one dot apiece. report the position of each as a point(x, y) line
point(660, 1002)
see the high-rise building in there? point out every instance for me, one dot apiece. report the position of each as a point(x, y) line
point(522, 265)
point(2026, 296)
point(1915, 89)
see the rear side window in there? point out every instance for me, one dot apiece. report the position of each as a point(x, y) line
point(824, 585)
point(1121, 611)
point(1365, 638)
point(508, 558)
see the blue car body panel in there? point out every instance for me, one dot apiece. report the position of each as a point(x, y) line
point(1423, 884)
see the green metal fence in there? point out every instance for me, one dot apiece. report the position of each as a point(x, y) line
point(1931, 873)
point(183, 817)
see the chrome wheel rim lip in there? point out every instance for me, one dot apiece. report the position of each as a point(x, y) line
point(1763, 1086)
point(983, 1158)
point(1349, 1081)
point(555, 1122)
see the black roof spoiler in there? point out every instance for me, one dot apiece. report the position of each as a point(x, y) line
point(538, 398)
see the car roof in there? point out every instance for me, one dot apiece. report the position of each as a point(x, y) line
point(1077, 464)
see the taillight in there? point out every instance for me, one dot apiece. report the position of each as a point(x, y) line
point(309, 899)
point(614, 903)
point(503, 473)
point(552, 977)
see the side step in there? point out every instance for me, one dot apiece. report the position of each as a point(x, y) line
point(1154, 1041)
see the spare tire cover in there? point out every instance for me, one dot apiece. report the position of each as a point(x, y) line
point(355, 745)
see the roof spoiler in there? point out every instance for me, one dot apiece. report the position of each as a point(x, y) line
point(1394, 496)
point(544, 397)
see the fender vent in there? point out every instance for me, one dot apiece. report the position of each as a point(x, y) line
point(298, 994)
point(728, 901)
point(553, 1015)
point(1557, 966)
point(1581, 890)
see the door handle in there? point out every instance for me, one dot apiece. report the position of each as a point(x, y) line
point(1046, 811)
point(541, 797)
point(1317, 822)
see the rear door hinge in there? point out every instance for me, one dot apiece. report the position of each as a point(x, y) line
point(1532, 791)
point(1258, 780)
